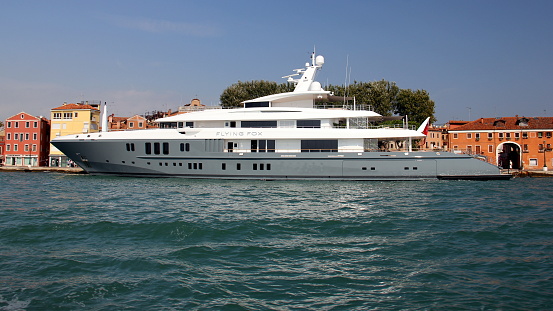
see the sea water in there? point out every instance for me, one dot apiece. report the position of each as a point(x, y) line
point(81, 242)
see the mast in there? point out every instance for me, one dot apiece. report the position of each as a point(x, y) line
point(105, 118)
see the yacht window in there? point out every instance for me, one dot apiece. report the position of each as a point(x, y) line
point(156, 148)
point(319, 145)
point(256, 104)
point(168, 125)
point(287, 124)
point(190, 124)
point(165, 148)
point(308, 123)
point(263, 145)
point(148, 148)
point(185, 147)
point(256, 124)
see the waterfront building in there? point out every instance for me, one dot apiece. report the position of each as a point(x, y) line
point(2, 146)
point(436, 138)
point(27, 140)
point(70, 119)
point(509, 142)
point(194, 105)
point(135, 122)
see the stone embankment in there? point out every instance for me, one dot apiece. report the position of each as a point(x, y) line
point(525, 173)
point(73, 170)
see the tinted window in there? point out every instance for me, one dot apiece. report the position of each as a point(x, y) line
point(272, 124)
point(308, 123)
point(319, 145)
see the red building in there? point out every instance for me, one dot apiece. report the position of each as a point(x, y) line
point(27, 140)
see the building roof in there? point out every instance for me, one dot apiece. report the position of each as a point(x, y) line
point(508, 123)
point(16, 117)
point(74, 107)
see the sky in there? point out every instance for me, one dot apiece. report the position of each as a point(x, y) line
point(485, 58)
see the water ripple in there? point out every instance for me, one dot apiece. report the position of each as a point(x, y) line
point(100, 243)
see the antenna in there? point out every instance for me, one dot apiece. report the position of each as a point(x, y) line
point(346, 79)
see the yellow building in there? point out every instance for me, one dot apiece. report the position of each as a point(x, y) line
point(72, 119)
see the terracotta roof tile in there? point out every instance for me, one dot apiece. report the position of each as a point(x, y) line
point(74, 106)
point(507, 123)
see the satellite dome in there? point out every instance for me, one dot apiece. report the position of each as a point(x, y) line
point(319, 60)
point(315, 86)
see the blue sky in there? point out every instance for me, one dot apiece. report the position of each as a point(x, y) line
point(476, 58)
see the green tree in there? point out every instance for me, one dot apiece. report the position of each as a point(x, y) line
point(385, 97)
point(235, 94)
point(417, 105)
point(381, 95)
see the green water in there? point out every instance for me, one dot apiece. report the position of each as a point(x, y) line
point(79, 242)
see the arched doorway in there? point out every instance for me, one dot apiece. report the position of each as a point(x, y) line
point(509, 156)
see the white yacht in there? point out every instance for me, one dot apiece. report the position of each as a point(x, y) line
point(282, 136)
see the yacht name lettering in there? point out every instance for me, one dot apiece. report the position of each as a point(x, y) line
point(236, 134)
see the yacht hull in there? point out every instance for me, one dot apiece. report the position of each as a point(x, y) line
point(208, 159)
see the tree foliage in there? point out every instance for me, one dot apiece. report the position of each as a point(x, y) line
point(235, 94)
point(415, 104)
point(385, 97)
point(380, 95)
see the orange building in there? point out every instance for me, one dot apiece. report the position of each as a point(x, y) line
point(510, 142)
point(436, 138)
point(135, 122)
point(27, 140)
